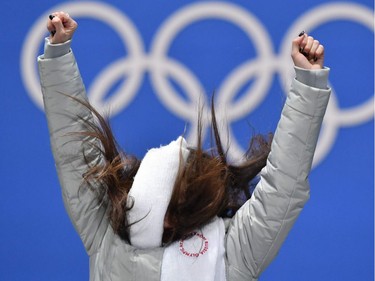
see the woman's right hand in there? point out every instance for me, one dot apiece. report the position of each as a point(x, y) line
point(61, 27)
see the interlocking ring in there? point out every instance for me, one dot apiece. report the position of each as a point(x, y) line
point(335, 117)
point(132, 65)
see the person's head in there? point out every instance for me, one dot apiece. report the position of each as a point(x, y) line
point(205, 185)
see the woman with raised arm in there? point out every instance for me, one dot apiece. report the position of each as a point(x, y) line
point(179, 214)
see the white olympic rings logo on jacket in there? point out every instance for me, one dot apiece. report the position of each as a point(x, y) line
point(160, 66)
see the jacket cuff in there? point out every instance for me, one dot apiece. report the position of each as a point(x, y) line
point(56, 50)
point(317, 78)
point(64, 65)
point(308, 100)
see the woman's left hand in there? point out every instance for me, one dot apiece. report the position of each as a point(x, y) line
point(307, 52)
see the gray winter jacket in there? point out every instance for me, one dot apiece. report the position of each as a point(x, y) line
point(256, 232)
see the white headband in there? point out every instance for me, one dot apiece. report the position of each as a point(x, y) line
point(152, 190)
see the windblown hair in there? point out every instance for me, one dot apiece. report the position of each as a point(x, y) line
point(206, 186)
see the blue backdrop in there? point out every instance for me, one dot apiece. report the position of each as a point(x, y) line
point(150, 62)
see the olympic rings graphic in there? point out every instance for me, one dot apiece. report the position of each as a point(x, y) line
point(161, 66)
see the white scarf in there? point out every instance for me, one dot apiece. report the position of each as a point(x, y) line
point(201, 257)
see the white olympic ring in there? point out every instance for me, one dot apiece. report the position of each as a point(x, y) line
point(161, 66)
point(335, 117)
point(185, 17)
point(123, 26)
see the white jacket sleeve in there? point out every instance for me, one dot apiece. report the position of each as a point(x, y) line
point(259, 228)
point(59, 77)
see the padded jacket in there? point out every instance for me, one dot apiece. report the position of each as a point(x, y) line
point(253, 236)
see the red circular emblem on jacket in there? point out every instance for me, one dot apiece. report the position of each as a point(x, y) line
point(194, 245)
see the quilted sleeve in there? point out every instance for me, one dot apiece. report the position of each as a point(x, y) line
point(259, 228)
point(60, 77)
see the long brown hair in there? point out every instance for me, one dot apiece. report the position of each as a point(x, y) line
point(206, 185)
